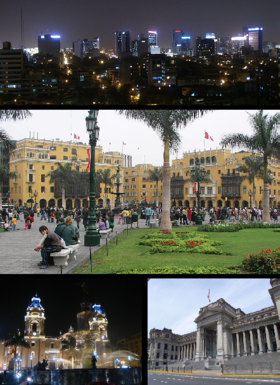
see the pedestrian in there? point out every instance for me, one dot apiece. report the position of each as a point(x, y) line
point(52, 217)
point(50, 243)
point(75, 230)
point(124, 216)
point(66, 233)
point(120, 218)
point(57, 215)
point(14, 223)
point(78, 218)
point(148, 213)
point(43, 214)
point(111, 217)
point(85, 218)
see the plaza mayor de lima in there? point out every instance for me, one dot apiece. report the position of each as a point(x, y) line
point(223, 333)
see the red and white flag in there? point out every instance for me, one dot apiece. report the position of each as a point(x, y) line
point(76, 137)
point(124, 144)
point(207, 136)
point(110, 143)
point(209, 296)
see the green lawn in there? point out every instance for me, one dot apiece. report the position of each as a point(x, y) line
point(127, 254)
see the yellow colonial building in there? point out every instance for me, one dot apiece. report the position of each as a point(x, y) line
point(33, 159)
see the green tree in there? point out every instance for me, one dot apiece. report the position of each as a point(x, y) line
point(5, 139)
point(155, 175)
point(166, 123)
point(5, 175)
point(64, 173)
point(17, 340)
point(252, 167)
point(265, 141)
point(105, 177)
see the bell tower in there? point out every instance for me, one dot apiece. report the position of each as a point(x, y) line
point(35, 318)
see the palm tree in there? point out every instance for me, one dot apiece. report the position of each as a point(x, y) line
point(105, 177)
point(4, 176)
point(5, 139)
point(264, 141)
point(17, 340)
point(64, 173)
point(155, 175)
point(166, 123)
point(70, 345)
point(252, 167)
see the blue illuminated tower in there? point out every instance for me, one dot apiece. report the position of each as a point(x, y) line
point(122, 41)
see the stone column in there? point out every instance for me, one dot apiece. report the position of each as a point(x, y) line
point(191, 351)
point(260, 341)
point(227, 344)
point(198, 355)
point(252, 343)
point(245, 344)
point(220, 344)
point(268, 341)
point(237, 345)
point(276, 337)
point(194, 349)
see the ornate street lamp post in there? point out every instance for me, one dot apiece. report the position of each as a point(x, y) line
point(92, 238)
point(31, 199)
point(198, 175)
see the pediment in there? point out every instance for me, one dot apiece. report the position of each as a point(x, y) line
point(207, 314)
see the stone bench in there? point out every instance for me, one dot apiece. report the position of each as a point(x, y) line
point(105, 233)
point(152, 225)
point(73, 249)
point(60, 257)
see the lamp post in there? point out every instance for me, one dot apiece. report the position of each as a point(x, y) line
point(250, 193)
point(35, 196)
point(198, 175)
point(92, 237)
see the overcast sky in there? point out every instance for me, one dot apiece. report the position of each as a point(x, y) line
point(87, 19)
point(175, 303)
point(141, 141)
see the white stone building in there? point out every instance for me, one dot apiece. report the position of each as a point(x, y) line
point(222, 332)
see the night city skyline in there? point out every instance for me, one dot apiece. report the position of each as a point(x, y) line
point(61, 298)
point(220, 17)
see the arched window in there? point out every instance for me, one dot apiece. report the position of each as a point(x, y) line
point(214, 159)
point(208, 160)
point(202, 160)
point(191, 162)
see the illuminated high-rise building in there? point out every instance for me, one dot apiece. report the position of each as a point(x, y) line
point(255, 39)
point(180, 42)
point(49, 45)
point(152, 38)
point(122, 41)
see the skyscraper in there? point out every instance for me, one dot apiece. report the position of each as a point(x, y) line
point(122, 41)
point(49, 45)
point(177, 40)
point(152, 38)
point(255, 39)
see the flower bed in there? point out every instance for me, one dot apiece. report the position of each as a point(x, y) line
point(181, 242)
point(238, 226)
point(179, 270)
point(265, 262)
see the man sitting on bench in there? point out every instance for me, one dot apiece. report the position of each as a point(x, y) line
point(50, 243)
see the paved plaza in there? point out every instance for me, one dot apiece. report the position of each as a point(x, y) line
point(17, 255)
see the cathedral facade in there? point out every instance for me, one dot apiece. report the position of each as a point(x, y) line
point(222, 332)
point(91, 336)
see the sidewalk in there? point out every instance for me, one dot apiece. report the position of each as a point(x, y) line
point(17, 255)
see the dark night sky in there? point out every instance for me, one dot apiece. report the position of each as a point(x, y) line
point(87, 19)
point(120, 298)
